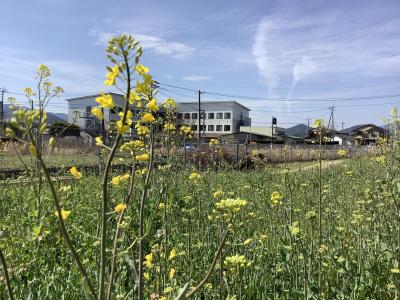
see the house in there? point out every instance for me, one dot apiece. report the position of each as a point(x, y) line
point(217, 117)
point(364, 134)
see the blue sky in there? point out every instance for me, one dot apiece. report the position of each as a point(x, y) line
point(268, 49)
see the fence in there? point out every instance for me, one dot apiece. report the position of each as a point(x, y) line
point(81, 151)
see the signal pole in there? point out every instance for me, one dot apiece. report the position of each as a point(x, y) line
point(199, 120)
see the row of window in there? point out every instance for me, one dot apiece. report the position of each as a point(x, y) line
point(210, 116)
point(211, 127)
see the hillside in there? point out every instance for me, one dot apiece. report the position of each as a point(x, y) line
point(51, 117)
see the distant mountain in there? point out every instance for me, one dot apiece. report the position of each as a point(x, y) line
point(299, 130)
point(51, 117)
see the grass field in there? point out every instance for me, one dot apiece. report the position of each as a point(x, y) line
point(275, 247)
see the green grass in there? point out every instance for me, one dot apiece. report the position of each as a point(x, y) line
point(359, 235)
point(55, 160)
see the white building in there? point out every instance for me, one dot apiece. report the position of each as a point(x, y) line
point(221, 117)
point(217, 117)
point(79, 112)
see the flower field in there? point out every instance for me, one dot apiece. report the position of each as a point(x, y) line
point(272, 248)
point(146, 227)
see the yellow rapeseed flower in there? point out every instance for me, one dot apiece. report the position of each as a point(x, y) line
point(169, 103)
point(64, 214)
point(120, 208)
point(276, 199)
point(169, 127)
point(218, 194)
point(97, 113)
point(121, 127)
point(105, 101)
point(128, 119)
point(142, 157)
point(112, 76)
point(32, 150)
point(342, 152)
point(142, 130)
point(172, 254)
point(172, 273)
point(152, 105)
point(141, 70)
point(138, 143)
point(247, 242)
point(146, 276)
point(214, 142)
point(147, 117)
point(148, 261)
point(74, 172)
point(99, 141)
point(194, 176)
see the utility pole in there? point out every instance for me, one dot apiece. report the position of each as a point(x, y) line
point(199, 120)
point(2, 111)
point(308, 121)
point(333, 123)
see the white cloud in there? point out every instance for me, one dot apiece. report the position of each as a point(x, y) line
point(196, 78)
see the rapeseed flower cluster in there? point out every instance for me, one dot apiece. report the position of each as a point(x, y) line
point(74, 172)
point(64, 214)
point(231, 206)
point(276, 199)
point(236, 262)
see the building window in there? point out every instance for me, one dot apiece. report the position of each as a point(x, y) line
point(227, 115)
point(194, 116)
point(193, 127)
point(186, 116)
point(180, 116)
point(227, 127)
point(219, 115)
point(202, 127)
point(219, 127)
point(211, 116)
point(210, 127)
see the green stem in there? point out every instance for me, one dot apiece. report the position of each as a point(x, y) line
point(105, 185)
point(7, 278)
point(63, 230)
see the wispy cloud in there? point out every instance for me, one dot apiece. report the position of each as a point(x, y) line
point(292, 46)
point(76, 77)
point(152, 43)
point(196, 78)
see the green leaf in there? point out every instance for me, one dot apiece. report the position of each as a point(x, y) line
point(86, 290)
point(182, 292)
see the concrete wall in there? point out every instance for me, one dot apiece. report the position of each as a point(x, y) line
point(238, 114)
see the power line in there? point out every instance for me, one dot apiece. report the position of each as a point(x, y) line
point(283, 99)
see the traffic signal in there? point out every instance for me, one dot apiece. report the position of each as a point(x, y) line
point(274, 121)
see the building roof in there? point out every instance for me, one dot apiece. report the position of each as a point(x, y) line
point(216, 102)
point(353, 130)
point(90, 96)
